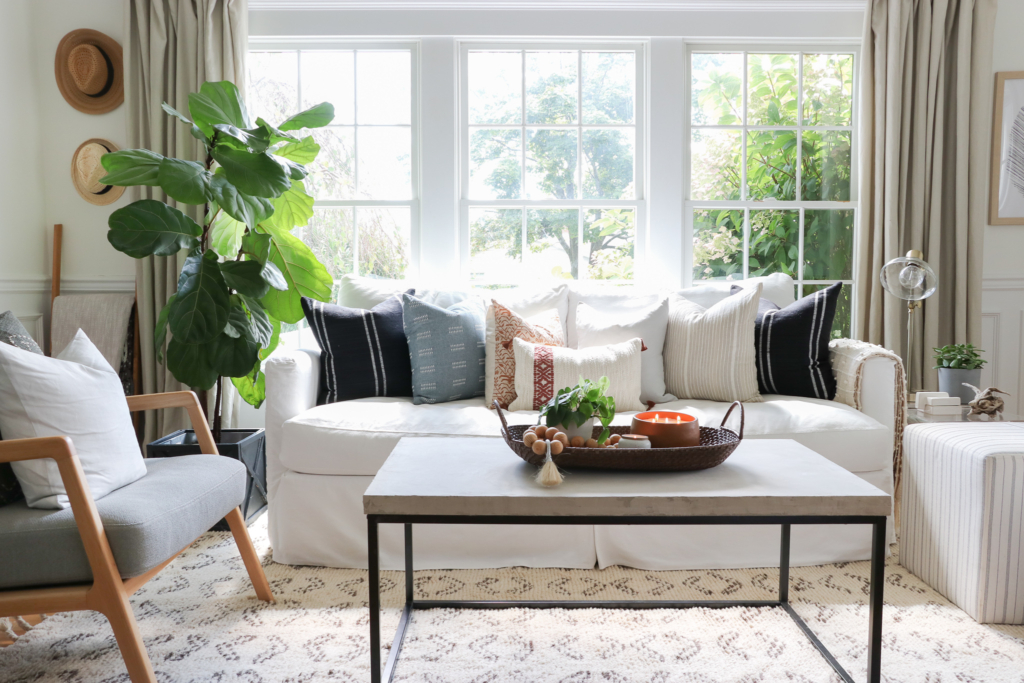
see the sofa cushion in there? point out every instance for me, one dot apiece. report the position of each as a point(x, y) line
point(356, 437)
point(146, 522)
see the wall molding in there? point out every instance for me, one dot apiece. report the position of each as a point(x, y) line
point(67, 285)
point(1002, 284)
point(589, 5)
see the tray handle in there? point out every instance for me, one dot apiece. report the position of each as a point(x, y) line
point(743, 416)
point(501, 416)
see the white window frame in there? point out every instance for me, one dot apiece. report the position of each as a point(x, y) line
point(640, 125)
point(257, 44)
point(690, 205)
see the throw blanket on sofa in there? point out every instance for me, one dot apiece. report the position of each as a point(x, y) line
point(848, 358)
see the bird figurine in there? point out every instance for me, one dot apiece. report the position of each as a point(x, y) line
point(986, 402)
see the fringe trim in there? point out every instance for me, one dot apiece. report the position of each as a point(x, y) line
point(848, 358)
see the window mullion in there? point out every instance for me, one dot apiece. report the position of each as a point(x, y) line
point(743, 142)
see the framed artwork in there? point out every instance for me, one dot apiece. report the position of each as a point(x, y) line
point(1006, 199)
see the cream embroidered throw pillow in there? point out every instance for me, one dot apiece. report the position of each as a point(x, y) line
point(544, 328)
point(709, 353)
point(541, 371)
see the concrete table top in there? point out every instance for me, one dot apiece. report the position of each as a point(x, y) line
point(474, 476)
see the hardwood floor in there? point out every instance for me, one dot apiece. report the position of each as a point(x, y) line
point(32, 619)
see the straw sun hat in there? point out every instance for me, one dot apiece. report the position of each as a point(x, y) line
point(89, 71)
point(86, 171)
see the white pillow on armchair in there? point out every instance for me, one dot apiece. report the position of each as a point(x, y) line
point(77, 395)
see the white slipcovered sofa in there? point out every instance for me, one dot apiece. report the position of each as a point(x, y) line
point(320, 460)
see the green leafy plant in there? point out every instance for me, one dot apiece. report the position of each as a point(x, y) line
point(958, 357)
point(245, 272)
point(573, 406)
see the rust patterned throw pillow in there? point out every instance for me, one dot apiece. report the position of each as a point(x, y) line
point(544, 328)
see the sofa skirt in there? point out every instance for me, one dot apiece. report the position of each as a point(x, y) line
point(323, 525)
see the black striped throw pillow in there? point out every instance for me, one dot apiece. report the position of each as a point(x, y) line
point(363, 353)
point(792, 345)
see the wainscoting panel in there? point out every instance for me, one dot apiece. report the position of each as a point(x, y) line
point(1002, 337)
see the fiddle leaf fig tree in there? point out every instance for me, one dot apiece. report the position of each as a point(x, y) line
point(245, 272)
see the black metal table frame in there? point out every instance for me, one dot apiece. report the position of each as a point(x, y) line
point(875, 599)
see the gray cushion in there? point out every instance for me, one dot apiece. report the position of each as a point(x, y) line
point(146, 522)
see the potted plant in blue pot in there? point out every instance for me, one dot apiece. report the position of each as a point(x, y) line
point(958, 364)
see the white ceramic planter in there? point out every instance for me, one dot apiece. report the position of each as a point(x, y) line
point(586, 430)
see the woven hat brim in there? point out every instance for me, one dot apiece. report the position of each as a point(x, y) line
point(99, 104)
point(110, 193)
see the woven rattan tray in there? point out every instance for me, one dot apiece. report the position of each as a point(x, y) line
point(716, 444)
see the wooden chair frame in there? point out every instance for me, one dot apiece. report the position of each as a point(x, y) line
point(109, 593)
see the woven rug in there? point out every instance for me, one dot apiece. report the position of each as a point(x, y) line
point(202, 624)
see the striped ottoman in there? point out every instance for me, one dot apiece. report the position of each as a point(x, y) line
point(962, 527)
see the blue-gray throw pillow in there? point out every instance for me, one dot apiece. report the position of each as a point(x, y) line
point(446, 348)
point(364, 353)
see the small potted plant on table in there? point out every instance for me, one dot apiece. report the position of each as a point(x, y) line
point(573, 409)
point(957, 364)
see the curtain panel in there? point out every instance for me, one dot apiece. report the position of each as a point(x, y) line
point(925, 108)
point(172, 47)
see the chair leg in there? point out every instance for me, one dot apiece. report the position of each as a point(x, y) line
point(119, 613)
point(249, 556)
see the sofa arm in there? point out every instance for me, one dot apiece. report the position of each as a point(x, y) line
point(292, 386)
point(871, 379)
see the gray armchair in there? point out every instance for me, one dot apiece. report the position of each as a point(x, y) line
point(97, 554)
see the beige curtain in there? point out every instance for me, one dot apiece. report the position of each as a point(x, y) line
point(172, 47)
point(925, 107)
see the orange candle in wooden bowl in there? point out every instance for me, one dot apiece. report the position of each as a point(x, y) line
point(667, 429)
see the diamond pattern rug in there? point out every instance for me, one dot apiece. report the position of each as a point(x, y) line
point(203, 624)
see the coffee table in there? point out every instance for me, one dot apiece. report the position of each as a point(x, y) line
point(481, 481)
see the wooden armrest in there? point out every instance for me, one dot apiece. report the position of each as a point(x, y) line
point(179, 399)
point(59, 448)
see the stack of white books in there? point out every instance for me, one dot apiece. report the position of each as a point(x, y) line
point(938, 403)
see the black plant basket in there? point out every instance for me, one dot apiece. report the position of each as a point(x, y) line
point(248, 446)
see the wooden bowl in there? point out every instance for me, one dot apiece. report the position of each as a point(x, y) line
point(667, 429)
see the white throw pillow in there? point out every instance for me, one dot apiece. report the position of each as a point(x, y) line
point(78, 395)
point(367, 292)
point(596, 328)
point(778, 288)
point(709, 353)
point(613, 302)
point(542, 371)
point(525, 303)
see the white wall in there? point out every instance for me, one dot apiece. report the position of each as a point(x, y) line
point(36, 192)
point(1003, 297)
point(22, 238)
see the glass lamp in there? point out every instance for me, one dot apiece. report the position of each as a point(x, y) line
point(909, 278)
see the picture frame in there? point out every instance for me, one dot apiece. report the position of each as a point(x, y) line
point(1006, 186)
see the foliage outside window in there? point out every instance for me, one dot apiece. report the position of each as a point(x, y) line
point(362, 181)
point(771, 156)
point(551, 166)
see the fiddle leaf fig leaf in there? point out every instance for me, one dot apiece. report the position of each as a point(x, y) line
point(217, 102)
point(258, 175)
point(190, 364)
point(226, 235)
point(292, 209)
point(274, 277)
point(201, 309)
point(175, 113)
point(236, 356)
point(262, 326)
point(240, 206)
point(130, 167)
point(160, 335)
point(295, 171)
point(256, 139)
point(303, 152)
point(315, 117)
point(305, 275)
point(257, 245)
point(151, 228)
point(252, 387)
point(245, 277)
point(185, 181)
point(276, 134)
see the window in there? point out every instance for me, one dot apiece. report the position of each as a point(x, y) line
point(551, 167)
point(365, 213)
point(771, 166)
